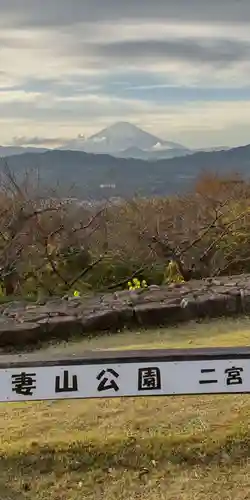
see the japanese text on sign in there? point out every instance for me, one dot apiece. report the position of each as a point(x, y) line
point(125, 379)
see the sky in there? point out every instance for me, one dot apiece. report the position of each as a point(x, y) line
point(179, 69)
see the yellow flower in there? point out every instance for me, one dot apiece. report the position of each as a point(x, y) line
point(76, 293)
point(144, 284)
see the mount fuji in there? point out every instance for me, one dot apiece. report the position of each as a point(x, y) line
point(126, 140)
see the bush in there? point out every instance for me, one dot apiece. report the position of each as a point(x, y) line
point(48, 247)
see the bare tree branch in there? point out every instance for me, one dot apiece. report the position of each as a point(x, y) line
point(85, 271)
point(221, 236)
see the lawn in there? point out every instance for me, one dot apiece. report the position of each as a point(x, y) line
point(149, 449)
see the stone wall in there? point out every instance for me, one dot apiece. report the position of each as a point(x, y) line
point(25, 323)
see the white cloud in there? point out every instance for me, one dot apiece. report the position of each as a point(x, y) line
point(62, 51)
point(160, 30)
point(20, 96)
point(50, 53)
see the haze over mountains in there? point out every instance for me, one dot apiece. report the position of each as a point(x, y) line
point(6, 151)
point(88, 176)
point(122, 140)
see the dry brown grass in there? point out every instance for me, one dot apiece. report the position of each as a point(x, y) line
point(146, 448)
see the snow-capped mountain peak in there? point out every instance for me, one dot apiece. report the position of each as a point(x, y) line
point(120, 137)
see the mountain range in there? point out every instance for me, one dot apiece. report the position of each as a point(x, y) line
point(97, 176)
point(122, 140)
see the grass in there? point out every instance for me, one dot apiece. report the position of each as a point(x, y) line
point(146, 448)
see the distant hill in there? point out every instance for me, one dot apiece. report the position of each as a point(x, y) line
point(153, 155)
point(89, 176)
point(6, 151)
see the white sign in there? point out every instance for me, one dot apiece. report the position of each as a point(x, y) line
point(125, 379)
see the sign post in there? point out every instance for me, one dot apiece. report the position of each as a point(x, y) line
point(108, 374)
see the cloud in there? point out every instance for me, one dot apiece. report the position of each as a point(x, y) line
point(50, 108)
point(37, 141)
point(182, 66)
point(63, 13)
point(13, 95)
point(66, 58)
point(219, 51)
